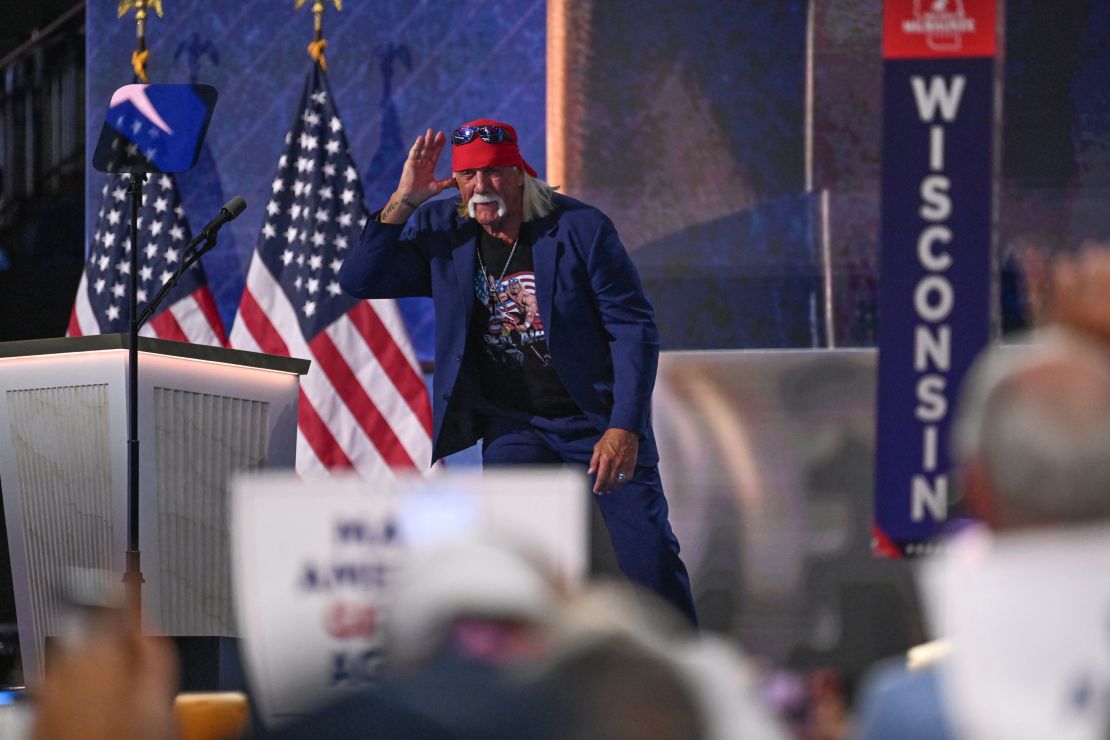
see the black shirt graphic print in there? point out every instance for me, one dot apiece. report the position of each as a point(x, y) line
point(508, 329)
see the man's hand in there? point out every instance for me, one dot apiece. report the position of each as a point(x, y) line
point(418, 178)
point(614, 459)
point(115, 684)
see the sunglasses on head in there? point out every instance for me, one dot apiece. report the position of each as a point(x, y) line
point(488, 134)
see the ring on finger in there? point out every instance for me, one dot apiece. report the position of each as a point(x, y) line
point(621, 477)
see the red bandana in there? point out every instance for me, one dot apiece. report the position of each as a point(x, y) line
point(476, 154)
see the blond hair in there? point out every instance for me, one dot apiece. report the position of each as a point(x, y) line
point(539, 198)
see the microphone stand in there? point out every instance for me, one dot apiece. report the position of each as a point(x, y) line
point(189, 259)
point(133, 576)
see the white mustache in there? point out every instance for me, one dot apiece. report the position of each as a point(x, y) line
point(483, 198)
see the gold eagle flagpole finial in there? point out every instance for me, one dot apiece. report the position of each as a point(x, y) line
point(140, 55)
point(319, 43)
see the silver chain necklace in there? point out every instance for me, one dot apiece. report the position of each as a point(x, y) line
point(504, 269)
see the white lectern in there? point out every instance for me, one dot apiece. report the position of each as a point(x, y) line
point(204, 413)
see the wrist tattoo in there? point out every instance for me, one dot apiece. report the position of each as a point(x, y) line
point(391, 207)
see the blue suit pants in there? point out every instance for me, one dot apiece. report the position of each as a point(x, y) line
point(635, 513)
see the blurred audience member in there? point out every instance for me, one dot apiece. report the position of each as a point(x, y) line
point(460, 620)
point(626, 668)
point(483, 642)
point(1080, 293)
point(111, 683)
point(828, 716)
point(484, 601)
point(1024, 607)
point(618, 689)
point(903, 703)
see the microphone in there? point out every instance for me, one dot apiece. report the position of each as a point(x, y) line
point(230, 210)
point(191, 254)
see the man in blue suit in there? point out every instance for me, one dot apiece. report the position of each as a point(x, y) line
point(546, 346)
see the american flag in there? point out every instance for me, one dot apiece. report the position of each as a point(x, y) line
point(188, 313)
point(363, 404)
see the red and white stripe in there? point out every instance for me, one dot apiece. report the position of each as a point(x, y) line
point(363, 403)
point(193, 319)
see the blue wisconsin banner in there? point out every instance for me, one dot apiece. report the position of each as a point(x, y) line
point(935, 273)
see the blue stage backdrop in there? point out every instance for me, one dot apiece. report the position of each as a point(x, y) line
point(685, 122)
point(395, 68)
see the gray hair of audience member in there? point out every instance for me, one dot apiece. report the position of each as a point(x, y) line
point(628, 666)
point(1035, 418)
point(617, 689)
point(434, 589)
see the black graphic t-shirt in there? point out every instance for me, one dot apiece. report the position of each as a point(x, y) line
point(509, 332)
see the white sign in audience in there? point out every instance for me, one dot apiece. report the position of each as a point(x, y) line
point(313, 562)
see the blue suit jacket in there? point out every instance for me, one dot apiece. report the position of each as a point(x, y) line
point(600, 327)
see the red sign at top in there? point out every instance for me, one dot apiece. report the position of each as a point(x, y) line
point(938, 29)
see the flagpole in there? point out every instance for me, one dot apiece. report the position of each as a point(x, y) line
point(319, 43)
point(140, 55)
